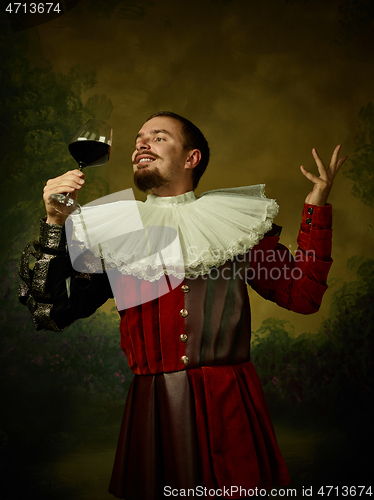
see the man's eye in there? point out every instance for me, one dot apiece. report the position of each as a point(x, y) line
point(158, 139)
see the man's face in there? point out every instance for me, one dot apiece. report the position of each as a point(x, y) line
point(160, 157)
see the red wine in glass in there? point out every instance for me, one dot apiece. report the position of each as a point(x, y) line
point(90, 147)
point(90, 153)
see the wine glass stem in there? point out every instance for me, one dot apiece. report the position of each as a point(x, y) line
point(80, 167)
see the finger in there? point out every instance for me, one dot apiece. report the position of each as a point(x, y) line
point(77, 172)
point(63, 188)
point(335, 167)
point(72, 182)
point(342, 160)
point(71, 174)
point(321, 167)
point(309, 175)
point(60, 189)
point(67, 179)
point(339, 164)
point(334, 157)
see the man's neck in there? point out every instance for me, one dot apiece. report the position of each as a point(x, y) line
point(170, 191)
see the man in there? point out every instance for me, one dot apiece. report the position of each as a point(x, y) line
point(195, 415)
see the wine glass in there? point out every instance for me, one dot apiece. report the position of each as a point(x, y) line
point(90, 147)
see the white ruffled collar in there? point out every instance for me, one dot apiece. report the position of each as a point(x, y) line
point(182, 235)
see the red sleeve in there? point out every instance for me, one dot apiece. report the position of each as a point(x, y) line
point(297, 283)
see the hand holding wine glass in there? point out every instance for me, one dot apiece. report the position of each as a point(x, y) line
point(69, 183)
point(90, 147)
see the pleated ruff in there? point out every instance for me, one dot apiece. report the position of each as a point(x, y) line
point(190, 234)
point(208, 426)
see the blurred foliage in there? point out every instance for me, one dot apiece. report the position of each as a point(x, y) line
point(355, 18)
point(330, 373)
point(361, 170)
point(100, 106)
point(45, 376)
point(40, 111)
point(59, 390)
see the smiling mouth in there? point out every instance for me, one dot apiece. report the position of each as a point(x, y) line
point(145, 160)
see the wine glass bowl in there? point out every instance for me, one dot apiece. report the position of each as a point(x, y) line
point(91, 144)
point(90, 147)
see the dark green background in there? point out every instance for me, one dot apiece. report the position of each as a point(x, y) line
point(266, 82)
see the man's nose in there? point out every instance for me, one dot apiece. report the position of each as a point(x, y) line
point(142, 144)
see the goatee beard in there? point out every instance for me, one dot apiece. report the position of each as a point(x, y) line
point(145, 179)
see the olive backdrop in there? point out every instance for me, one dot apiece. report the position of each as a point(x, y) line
point(265, 81)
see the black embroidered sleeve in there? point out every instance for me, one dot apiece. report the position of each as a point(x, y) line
point(54, 292)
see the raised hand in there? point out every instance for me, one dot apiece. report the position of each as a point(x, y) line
point(70, 182)
point(323, 183)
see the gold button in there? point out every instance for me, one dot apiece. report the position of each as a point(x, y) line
point(185, 288)
point(183, 313)
point(183, 338)
point(185, 360)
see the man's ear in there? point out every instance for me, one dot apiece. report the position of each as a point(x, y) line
point(193, 159)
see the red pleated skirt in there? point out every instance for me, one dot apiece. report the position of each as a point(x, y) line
point(203, 427)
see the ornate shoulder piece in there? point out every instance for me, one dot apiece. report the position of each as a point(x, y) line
point(32, 249)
